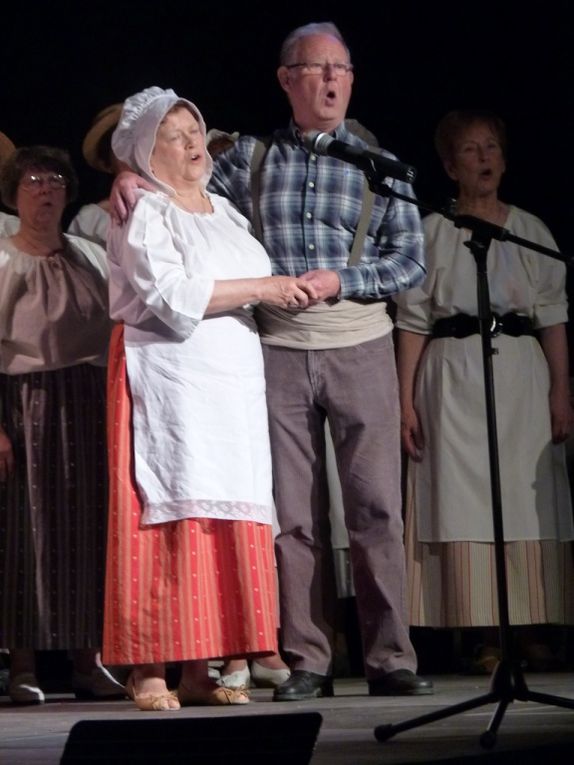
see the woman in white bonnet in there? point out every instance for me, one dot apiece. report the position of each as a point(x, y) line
point(190, 573)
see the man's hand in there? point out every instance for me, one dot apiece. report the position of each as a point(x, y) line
point(326, 283)
point(122, 195)
point(287, 291)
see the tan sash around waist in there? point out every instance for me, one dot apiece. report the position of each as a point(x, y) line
point(325, 325)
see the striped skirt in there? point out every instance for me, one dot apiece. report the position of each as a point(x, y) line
point(453, 584)
point(191, 589)
point(53, 509)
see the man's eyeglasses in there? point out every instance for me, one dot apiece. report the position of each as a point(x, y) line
point(317, 67)
point(34, 182)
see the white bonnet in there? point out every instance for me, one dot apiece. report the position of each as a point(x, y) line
point(134, 137)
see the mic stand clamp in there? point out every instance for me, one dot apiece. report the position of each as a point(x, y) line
point(376, 179)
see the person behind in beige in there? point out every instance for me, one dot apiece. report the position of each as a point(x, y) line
point(93, 220)
point(450, 554)
point(192, 536)
point(54, 331)
point(265, 671)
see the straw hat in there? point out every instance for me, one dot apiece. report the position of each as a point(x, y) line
point(218, 141)
point(6, 148)
point(107, 119)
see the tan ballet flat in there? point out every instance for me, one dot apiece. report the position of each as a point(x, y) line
point(211, 695)
point(152, 702)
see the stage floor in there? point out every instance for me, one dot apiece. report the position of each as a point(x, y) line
point(37, 735)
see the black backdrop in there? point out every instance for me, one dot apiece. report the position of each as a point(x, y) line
point(64, 61)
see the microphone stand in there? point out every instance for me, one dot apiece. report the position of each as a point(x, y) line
point(507, 682)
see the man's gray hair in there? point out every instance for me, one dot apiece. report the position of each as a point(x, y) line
point(315, 28)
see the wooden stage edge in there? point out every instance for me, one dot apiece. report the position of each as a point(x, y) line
point(38, 735)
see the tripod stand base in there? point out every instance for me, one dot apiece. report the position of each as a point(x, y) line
point(507, 685)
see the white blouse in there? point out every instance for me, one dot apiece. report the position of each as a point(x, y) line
point(200, 421)
point(53, 310)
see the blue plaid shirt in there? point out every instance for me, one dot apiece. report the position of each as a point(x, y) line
point(310, 208)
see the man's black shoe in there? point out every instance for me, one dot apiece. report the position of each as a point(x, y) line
point(304, 685)
point(401, 682)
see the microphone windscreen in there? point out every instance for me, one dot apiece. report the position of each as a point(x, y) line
point(311, 138)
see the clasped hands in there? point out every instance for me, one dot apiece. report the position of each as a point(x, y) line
point(302, 291)
point(307, 289)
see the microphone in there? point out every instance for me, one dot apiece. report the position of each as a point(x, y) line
point(324, 144)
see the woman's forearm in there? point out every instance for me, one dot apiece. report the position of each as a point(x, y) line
point(555, 347)
point(410, 349)
point(283, 291)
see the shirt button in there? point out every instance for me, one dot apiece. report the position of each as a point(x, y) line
point(311, 184)
point(313, 157)
point(311, 246)
point(308, 215)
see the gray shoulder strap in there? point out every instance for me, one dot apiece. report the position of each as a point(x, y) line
point(368, 197)
point(257, 158)
point(363, 225)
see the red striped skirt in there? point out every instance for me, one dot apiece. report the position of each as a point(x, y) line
point(191, 589)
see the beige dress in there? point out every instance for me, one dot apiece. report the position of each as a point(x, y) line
point(54, 330)
point(450, 548)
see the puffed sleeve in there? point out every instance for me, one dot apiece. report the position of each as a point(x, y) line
point(94, 253)
point(414, 306)
point(549, 275)
point(150, 274)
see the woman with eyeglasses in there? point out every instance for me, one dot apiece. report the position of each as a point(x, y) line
point(54, 332)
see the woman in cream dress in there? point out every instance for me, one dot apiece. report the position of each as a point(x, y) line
point(449, 519)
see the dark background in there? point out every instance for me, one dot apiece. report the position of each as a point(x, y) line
point(64, 61)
